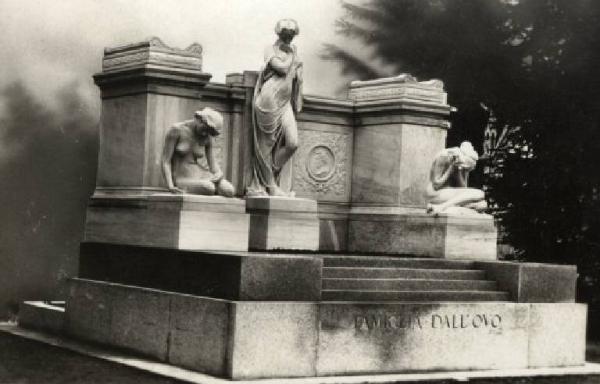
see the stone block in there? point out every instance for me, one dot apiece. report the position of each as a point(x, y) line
point(152, 52)
point(88, 311)
point(141, 87)
point(280, 277)
point(557, 335)
point(391, 163)
point(199, 334)
point(401, 124)
point(219, 231)
point(322, 165)
point(140, 318)
point(282, 223)
point(545, 283)
point(170, 221)
point(534, 282)
point(413, 232)
point(122, 124)
point(273, 340)
point(400, 88)
point(191, 272)
point(249, 340)
point(234, 339)
point(117, 315)
point(226, 275)
point(365, 338)
point(42, 315)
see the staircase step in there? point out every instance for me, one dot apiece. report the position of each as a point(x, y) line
point(366, 295)
point(398, 262)
point(409, 284)
point(399, 273)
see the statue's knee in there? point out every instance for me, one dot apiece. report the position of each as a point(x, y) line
point(224, 188)
point(206, 187)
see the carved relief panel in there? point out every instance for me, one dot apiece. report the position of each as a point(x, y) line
point(322, 165)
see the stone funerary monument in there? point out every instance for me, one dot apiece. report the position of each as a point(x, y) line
point(280, 286)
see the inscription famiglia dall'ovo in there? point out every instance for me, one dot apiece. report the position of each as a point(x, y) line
point(386, 321)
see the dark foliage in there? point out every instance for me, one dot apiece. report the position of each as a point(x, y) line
point(47, 168)
point(533, 63)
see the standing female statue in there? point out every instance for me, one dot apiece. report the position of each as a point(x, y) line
point(448, 181)
point(185, 144)
point(277, 96)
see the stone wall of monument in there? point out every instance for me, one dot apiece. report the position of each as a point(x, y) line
point(357, 156)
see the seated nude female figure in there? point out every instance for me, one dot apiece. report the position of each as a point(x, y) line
point(186, 143)
point(448, 181)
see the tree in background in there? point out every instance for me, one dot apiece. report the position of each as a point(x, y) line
point(531, 62)
point(47, 167)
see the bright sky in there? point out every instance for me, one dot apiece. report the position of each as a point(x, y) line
point(53, 43)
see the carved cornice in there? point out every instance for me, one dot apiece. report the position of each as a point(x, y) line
point(151, 79)
point(152, 52)
point(402, 88)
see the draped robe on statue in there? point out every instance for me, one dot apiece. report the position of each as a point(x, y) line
point(276, 98)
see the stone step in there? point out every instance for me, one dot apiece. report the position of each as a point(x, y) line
point(409, 284)
point(411, 296)
point(402, 273)
point(398, 262)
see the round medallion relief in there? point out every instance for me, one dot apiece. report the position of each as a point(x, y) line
point(320, 163)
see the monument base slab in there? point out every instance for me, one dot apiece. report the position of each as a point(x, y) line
point(224, 275)
point(282, 223)
point(413, 232)
point(249, 340)
point(188, 222)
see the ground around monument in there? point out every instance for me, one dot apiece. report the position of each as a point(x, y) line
point(25, 360)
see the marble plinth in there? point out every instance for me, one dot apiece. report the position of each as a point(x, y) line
point(188, 222)
point(400, 231)
point(247, 340)
point(282, 223)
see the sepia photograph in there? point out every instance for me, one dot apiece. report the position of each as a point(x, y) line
point(299, 192)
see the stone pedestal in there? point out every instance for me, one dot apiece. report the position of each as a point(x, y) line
point(188, 222)
point(221, 275)
point(401, 126)
point(145, 88)
point(414, 232)
point(282, 223)
point(249, 340)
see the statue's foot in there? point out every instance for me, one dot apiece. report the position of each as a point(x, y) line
point(480, 206)
point(224, 188)
point(253, 193)
point(276, 191)
point(434, 209)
